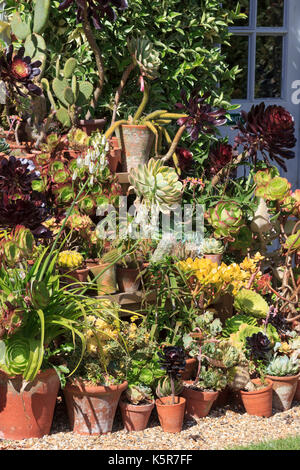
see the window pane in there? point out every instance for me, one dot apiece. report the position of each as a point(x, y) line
point(244, 4)
point(270, 13)
point(268, 67)
point(237, 54)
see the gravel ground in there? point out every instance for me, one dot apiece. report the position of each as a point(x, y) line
point(223, 428)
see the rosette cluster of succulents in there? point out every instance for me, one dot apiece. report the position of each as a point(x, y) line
point(212, 246)
point(226, 218)
point(16, 246)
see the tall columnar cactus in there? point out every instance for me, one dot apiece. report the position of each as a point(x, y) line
point(70, 93)
point(30, 31)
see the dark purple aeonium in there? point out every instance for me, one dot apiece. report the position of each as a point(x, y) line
point(201, 117)
point(269, 130)
point(96, 9)
point(17, 72)
point(259, 346)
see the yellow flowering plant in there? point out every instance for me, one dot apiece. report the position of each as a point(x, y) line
point(207, 280)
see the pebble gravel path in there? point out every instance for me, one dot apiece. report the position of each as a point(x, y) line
point(223, 428)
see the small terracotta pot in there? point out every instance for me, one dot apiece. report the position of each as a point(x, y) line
point(170, 415)
point(284, 389)
point(114, 155)
point(216, 258)
point(91, 408)
point(28, 413)
point(80, 274)
point(136, 141)
point(258, 402)
point(91, 125)
point(106, 282)
point(127, 279)
point(198, 403)
point(190, 367)
point(135, 417)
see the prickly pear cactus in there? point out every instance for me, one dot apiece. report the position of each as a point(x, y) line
point(31, 29)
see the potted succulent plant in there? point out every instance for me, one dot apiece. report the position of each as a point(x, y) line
point(72, 265)
point(283, 371)
point(35, 314)
point(213, 249)
point(171, 408)
point(136, 405)
point(94, 390)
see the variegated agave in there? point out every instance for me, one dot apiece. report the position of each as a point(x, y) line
point(156, 185)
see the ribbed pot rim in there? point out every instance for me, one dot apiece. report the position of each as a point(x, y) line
point(200, 392)
point(79, 386)
point(159, 401)
point(283, 378)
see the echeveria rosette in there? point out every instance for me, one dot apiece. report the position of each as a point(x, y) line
point(172, 360)
point(96, 9)
point(185, 158)
point(270, 130)
point(226, 217)
point(201, 117)
point(259, 346)
point(18, 72)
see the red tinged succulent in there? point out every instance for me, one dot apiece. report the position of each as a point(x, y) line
point(269, 130)
point(220, 155)
point(16, 177)
point(18, 72)
point(201, 117)
point(185, 158)
point(96, 9)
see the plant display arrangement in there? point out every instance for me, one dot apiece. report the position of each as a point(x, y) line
point(111, 290)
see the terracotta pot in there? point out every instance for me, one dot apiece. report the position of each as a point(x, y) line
point(92, 125)
point(198, 403)
point(127, 279)
point(80, 274)
point(222, 400)
point(284, 389)
point(170, 415)
point(190, 368)
point(107, 282)
point(91, 408)
point(114, 155)
point(258, 402)
point(297, 392)
point(28, 413)
point(136, 142)
point(135, 417)
point(216, 258)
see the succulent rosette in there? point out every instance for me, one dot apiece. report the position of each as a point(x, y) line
point(18, 72)
point(270, 130)
point(172, 360)
point(201, 117)
point(185, 158)
point(277, 189)
point(219, 156)
point(16, 177)
point(226, 217)
point(259, 346)
point(96, 9)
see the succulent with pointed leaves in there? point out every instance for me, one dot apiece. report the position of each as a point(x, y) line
point(226, 217)
point(282, 366)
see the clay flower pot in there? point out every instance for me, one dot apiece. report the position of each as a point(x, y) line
point(284, 389)
point(106, 282)
point(92, 408)
point(127, 279)
point(171, 415)
point(258, 402)
point(216, 258)
point(190, 366)
point(297, 392)
point(135, 417)
point(80, 274)
point(136, 142)
point(198, 403)
point(91, 125)
point(28, 413)
point(114, 156)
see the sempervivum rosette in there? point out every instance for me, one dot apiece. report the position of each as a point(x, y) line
point(220, 155)
point(18, 72)
point(226, 217)
point(270, 130)
point(156, 184)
